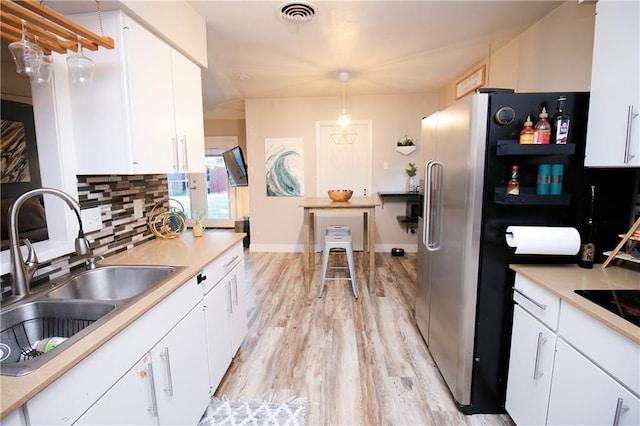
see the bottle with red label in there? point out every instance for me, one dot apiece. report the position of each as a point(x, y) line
point(542, 129)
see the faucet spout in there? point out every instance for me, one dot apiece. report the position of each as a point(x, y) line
point(23, 270)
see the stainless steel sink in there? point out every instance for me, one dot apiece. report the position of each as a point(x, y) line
point(73, 307)
point(24, 324)
point(111, 282)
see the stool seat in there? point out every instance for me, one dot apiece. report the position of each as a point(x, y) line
point(343, 242)
point(338, 230)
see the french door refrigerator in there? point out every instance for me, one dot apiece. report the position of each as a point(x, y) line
point(464, 291)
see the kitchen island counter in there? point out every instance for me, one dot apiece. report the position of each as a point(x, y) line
point(562, 280)
point(194, 253)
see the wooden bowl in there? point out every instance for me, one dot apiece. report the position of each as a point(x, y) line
point(340, 194)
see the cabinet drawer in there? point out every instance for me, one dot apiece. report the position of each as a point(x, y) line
point(613, 352)
point(537, 301)
point(220, 267)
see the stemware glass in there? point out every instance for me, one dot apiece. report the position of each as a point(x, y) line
point(26, 55)
point(43, 75)
point(80, 66)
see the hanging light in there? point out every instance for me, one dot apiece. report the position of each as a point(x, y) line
point(343, 119)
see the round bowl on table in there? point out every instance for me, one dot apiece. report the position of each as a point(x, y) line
point(340, 194)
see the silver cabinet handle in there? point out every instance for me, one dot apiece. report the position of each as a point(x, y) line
point(152, 387)
point(530, 299)
point(226, 265)
point(230, 306)
point(627, 143)
point(176, 160)
point(235, 289)
point(185, 165)
point(619, 407)
point(536, 372)
point(167, 365)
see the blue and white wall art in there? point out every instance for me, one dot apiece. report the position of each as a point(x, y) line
point(285, 167)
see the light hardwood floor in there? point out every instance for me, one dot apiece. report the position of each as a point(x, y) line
point(359, 362)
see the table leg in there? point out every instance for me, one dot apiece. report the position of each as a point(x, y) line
point(312, 244)
point(306, 256)
point(372, 250)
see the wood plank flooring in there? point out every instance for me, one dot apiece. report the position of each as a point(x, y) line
point(359, 362)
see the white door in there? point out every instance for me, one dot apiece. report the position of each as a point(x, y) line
point(343, 159)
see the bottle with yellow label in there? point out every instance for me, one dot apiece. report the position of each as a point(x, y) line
point(526, 134)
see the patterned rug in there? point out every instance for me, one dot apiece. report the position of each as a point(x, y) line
point(255, 412)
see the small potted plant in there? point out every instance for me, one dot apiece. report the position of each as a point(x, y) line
point(411, 172)
point(405, 145)
point(198, 225)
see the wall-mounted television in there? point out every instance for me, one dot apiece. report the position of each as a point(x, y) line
point(236, 167)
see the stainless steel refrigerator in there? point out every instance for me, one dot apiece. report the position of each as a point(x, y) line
point(464, 291)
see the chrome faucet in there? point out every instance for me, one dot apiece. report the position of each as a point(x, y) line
point(22, 270)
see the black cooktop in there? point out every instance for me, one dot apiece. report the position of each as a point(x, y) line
point(624, 303)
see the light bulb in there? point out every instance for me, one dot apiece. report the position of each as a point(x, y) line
point(344, 119)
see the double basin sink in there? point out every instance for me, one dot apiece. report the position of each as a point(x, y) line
point(71, 309)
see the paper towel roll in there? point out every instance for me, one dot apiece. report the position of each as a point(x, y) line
point(549, 240)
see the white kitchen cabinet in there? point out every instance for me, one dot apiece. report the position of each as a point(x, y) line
point(238, 317)
point(613, 128)
point(530, 369)
point(66, 399)
point(165, 387)
point(225, 311)
point(581, 393)
point(142, 113)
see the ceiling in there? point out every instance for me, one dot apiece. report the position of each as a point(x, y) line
point(388, 47)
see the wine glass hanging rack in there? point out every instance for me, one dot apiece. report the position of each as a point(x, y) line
point(51, 31)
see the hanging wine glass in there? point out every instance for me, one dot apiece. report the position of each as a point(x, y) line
point(80, 66)
point(43, 75)
point(26, 55)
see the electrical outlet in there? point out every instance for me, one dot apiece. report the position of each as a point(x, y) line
point(137, 208)
point(385, 165)
point(91, 219)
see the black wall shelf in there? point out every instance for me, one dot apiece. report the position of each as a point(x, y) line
point(529, 197)
point(512, 147)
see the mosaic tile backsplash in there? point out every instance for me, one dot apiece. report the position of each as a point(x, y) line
point(114, 195)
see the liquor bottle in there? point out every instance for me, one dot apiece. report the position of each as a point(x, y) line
point(588, 250)
point(526, 134)
point(513, 186)
point(561, 123)
point(542, 129)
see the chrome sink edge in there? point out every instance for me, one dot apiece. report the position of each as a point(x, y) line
point(40, 295)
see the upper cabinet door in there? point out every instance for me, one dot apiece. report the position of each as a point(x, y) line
point(187, 103)
point(613, 130)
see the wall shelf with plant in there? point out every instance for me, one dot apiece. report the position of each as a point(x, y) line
point(405, 145)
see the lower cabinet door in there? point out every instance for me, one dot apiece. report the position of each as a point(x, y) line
point(218, 332)
point(530, 369)
point(239, 324)
point(180, 371)
point(130, 401)
point(583, 394)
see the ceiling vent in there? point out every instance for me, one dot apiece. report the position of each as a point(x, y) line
point(297, 12)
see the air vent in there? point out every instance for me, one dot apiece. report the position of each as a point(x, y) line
point(299, 12)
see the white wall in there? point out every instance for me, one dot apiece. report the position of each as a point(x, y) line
point(276, 222)
point(552, 55)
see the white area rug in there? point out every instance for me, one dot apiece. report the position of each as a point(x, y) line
point(255, 412)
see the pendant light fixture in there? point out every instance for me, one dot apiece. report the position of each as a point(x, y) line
point(343, 119)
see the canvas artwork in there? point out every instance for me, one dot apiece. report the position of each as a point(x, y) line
point(15, 164)
point(284, 167)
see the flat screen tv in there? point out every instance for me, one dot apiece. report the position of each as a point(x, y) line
point(236, 167)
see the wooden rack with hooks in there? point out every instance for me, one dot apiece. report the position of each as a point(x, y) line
point(631, 235)
point(47, 28)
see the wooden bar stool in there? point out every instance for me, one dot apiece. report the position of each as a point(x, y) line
point(343, 242)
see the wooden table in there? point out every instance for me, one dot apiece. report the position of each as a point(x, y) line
point(366, 206)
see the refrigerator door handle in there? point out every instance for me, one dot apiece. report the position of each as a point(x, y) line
point(426, 208)
point(433, 210)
